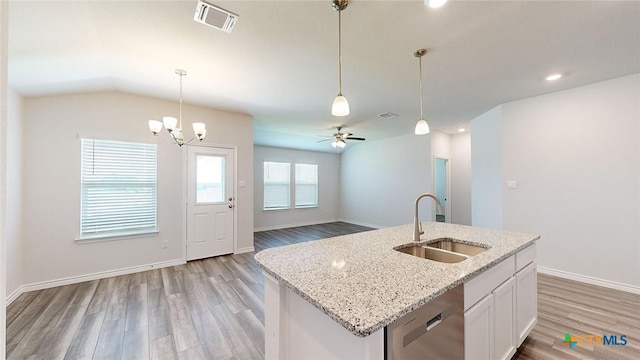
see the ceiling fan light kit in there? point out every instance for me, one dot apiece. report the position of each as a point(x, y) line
point(422, 128)
point(171, 124)
point(340, 105)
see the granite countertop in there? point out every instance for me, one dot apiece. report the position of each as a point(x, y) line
point(361, 282)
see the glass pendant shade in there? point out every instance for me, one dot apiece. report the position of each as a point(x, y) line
point(340, 106)
point(170, 123)
point(198, 128)
point(422, 128)
point(155, 126)
point(435, 3)
point(339, 143)
point(178, 133)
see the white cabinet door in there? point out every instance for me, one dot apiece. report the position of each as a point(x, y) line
point(527, 301)
point(504, 335)
point(478, 330)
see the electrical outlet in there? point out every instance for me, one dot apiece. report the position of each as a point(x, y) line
point(165, 244)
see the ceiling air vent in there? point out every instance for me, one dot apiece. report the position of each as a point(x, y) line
point(216, 17)
point(387, 115)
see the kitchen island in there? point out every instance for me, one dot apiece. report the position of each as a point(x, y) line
point(332, 298)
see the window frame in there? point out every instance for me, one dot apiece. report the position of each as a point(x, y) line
point(264, 186)
point(146, 180)
point(316, 183)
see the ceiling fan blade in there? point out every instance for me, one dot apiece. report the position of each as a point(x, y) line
point(324, 140)
point(356, 138)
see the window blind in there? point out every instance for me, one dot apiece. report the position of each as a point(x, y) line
point(306, 180)
point(118, 188)
point(277, 190)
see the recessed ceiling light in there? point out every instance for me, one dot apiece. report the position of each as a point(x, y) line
point(435, 3)
point(461, 129)
point(553, 77)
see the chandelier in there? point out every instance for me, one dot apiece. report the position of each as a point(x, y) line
point(171, 123)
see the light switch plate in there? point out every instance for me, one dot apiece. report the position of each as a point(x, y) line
point(512, 184)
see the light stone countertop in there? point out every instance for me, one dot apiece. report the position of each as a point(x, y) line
point(361, 282)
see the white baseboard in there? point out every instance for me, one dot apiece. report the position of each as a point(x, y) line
point(286, 226)
point(14, 294)
point(244, 250)
point(98, 275)
point(354, 222)
point(590, 280)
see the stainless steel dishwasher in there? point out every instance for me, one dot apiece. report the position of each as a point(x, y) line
point(434, 331)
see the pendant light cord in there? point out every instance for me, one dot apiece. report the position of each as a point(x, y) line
point(340, 50)
point(420, 62)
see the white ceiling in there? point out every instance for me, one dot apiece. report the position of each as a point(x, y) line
point(280, 63)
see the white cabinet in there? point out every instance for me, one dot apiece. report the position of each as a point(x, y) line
point(526, 297)
point(477, 321)
point(501, 307)
point(504, 332)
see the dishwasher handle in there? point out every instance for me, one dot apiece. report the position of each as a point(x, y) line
point(422, 329)
point(435, 321)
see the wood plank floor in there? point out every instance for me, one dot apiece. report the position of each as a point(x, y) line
point(205, 309)
point(566, 306)
point(213, 309)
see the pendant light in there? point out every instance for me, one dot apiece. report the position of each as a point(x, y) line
point(171, 124)
point(422, 127)
point(340, 105)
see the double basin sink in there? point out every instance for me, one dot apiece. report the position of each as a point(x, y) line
point(442, 250)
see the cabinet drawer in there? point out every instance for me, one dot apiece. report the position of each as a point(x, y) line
point(481, 285)
point(525, 256)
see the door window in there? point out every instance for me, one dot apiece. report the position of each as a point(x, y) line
point(210, 179)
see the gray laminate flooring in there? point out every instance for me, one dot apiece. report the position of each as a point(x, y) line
point(213, 309)
point(206, 309)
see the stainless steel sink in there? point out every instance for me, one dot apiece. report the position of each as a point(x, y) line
point(432, 253)
point(457, 247)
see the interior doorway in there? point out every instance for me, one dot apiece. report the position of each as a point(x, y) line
point(442, 189)
point(210, 202)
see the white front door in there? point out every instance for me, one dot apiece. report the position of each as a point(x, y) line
point(210, 202)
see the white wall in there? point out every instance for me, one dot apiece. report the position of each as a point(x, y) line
point(486, 169)
point(14, 189)
point(381, 179)
point(52, 180)
point(460, 166)
point(328, 189)
point(4, 16)
point(575, 156)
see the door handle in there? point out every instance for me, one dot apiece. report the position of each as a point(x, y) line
point(230, 206)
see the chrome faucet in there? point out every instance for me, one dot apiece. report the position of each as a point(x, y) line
point(417, 227)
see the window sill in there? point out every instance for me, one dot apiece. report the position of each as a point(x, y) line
point(115, 237)
point(276, 209)
point(307, 207)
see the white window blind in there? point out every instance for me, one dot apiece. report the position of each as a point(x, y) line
point(277, 190)
point(306, 185)
point(119, 188)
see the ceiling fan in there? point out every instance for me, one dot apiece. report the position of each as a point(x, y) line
point(340, 138)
